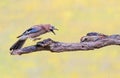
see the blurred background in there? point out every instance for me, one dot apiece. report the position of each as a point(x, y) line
point(73, 18)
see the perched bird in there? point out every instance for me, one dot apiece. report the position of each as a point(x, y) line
point(33, 33)
point(92, 37)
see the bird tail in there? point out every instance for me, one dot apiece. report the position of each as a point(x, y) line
point(18, 44)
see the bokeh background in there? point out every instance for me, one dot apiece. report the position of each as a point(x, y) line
point(73, 18)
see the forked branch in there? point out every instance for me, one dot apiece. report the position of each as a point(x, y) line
point(89, 42)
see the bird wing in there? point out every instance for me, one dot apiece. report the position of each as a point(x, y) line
point(29, 31)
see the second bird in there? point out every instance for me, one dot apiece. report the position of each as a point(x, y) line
point(33, 33)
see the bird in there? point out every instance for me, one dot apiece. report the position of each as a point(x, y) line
point(33, 33)
point(93, 36)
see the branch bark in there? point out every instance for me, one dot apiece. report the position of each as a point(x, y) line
point(88, 42)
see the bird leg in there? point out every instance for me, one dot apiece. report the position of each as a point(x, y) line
point(34, 39)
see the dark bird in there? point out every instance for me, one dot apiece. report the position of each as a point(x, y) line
point(33, 33)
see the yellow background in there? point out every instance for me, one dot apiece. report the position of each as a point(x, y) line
point(73, 18)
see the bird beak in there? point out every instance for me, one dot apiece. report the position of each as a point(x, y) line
point(53, 30)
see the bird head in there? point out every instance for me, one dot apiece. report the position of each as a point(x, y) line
point(50, 28)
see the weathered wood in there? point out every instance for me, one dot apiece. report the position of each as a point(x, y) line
point(55, 46)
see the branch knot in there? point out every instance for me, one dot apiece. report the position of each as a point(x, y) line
point(44, 43)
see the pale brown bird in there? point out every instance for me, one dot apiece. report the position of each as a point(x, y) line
point(33, 33)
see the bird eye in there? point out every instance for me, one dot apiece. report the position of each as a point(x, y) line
point(52, 27)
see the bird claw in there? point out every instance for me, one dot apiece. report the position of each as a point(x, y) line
point(36, 39)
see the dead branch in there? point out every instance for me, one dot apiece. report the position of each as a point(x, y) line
point(88, 42)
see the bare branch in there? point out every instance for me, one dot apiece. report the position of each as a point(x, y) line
point(88, 42)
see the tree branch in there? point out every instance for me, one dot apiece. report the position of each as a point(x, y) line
point(88, 42)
